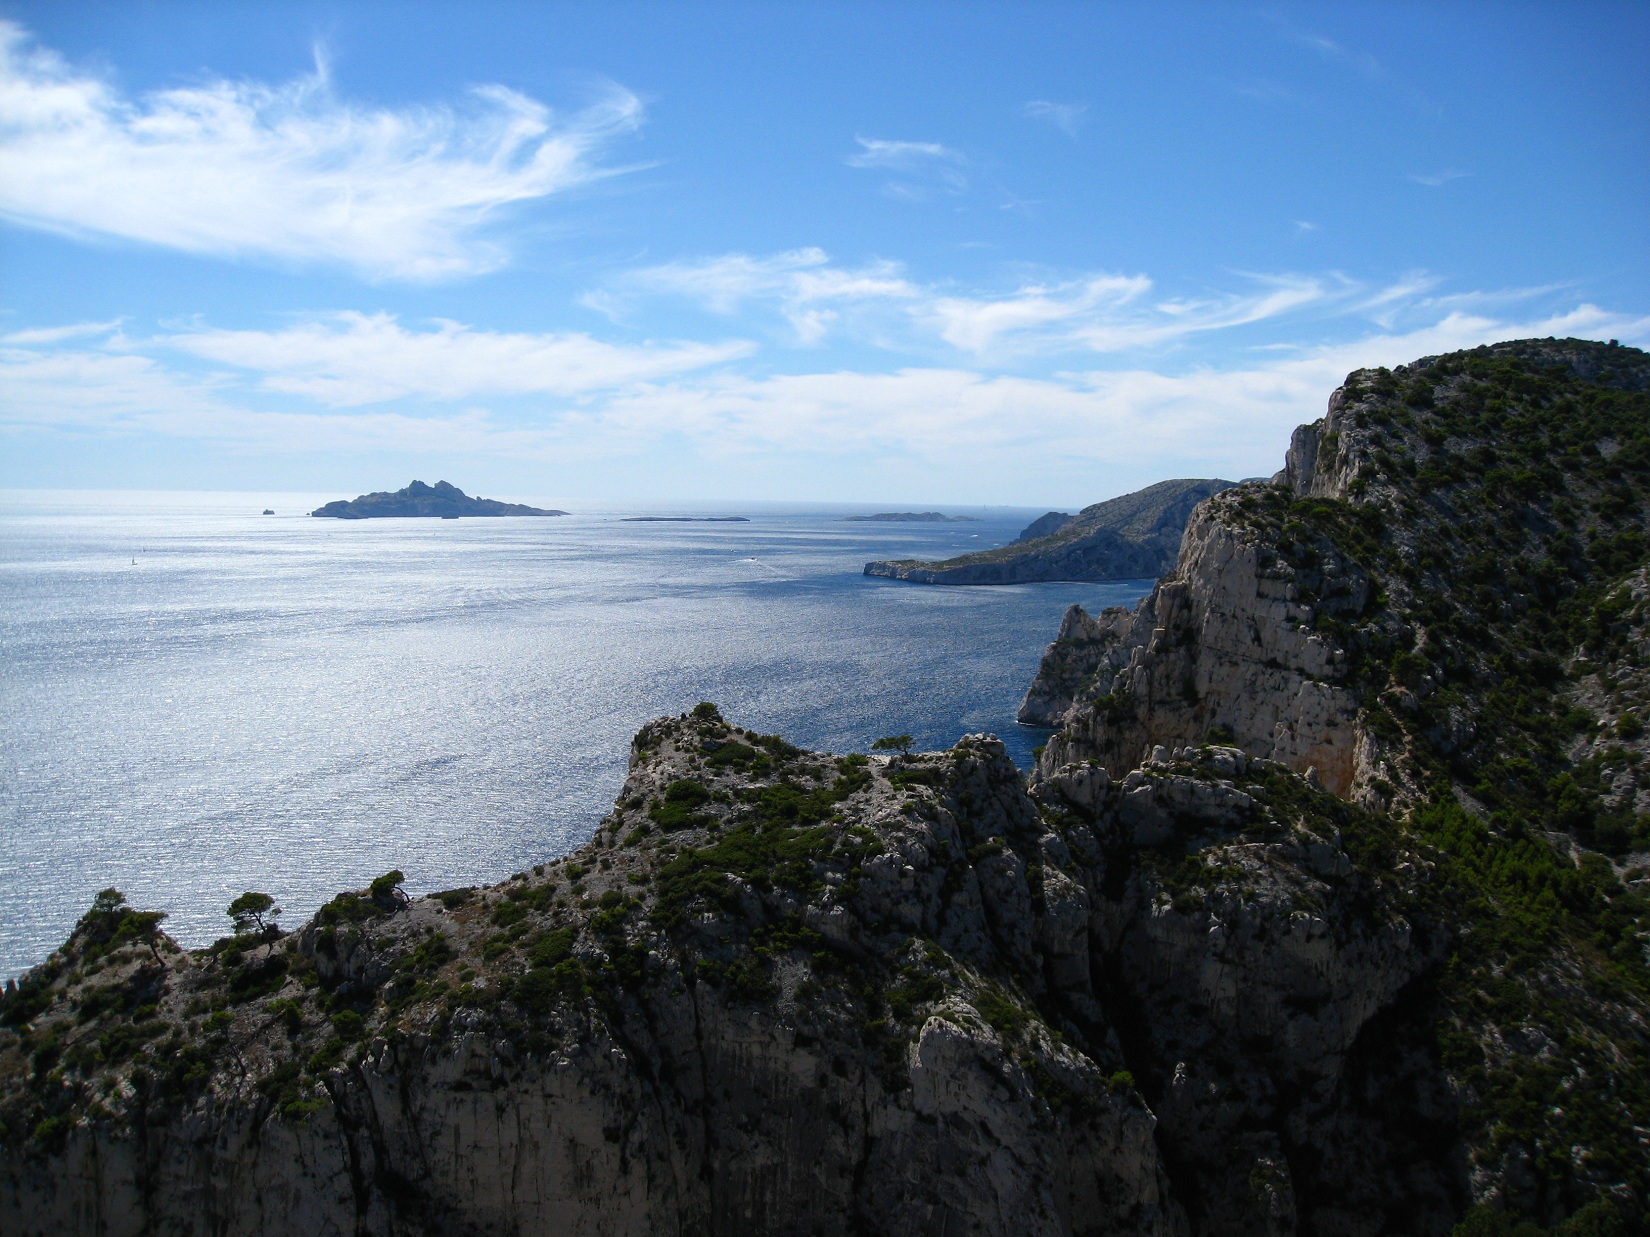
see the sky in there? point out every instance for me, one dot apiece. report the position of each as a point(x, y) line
point(1027, 254)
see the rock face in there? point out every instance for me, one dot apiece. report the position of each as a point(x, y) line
point(1127, 538)
point(1439, 609)
point(779, 992)
point(441, 500)
point(1227, 642)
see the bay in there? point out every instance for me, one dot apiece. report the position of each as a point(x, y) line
point(199, 699)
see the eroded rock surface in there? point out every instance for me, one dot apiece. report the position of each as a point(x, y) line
point(781, 992)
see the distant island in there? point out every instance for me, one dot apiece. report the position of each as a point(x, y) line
point(442, 500)
point(914, 517)
point(686, 519)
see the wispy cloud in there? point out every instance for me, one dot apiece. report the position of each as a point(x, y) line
point(57, 334)
point(976, 324)
point(1066, 117)
point(1083, 313)
point(924, 166)
point(1435, 179)
point(352, 359)
point(1086, 433)
point(290, 171)
point(807, 287)
point(902, 156)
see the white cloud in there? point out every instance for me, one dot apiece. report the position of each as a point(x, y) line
point(1066, 117)
point(1105, 314)
point(923, 164)
point(957, 430)
point(976, 324)
point(901, 156)
point(802, 281)
point(351, 359)
point(1139, 423)
point(1435, 179)
point(288, 171)
point(1096, 312)
point(57, 334)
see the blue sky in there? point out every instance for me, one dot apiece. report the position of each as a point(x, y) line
point(1025, 254)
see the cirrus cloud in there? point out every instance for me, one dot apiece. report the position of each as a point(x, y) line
point(939, 430)
point(289, 171)
point(350, 359)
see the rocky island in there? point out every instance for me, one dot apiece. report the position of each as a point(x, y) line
point(912, 517)
point(1325, 912)
point(441, 500)
point(1131, 537)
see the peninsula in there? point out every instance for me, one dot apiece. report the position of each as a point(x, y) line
point(1128, 538)
point(441, 500)
point(686, 519)
point(1322, 913)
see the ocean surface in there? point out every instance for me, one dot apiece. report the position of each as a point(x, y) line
point(197, 699)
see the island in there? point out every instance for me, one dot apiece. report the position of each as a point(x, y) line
point(912, 517)
point(442, 500)
point(686, 519)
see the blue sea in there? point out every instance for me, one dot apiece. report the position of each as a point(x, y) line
point(198, 699)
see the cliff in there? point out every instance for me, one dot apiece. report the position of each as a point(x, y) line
point(1131, 537)
point(779, 992)
point(1438, 610)
point(441, 500)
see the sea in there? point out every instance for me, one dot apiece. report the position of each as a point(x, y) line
point(198, 699)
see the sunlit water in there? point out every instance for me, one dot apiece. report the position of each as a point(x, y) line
point(196, 699)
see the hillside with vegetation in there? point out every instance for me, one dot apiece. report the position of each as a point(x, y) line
point(1131, 537)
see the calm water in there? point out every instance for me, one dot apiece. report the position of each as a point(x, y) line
point(199, 700)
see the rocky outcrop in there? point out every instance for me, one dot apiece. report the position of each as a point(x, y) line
point(1228, 644)
point(1128, 538)
point(441, 500)
point(779, 992)
point(1437, 608)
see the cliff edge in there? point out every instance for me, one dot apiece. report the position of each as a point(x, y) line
point(1440, 609)
point(779, 992)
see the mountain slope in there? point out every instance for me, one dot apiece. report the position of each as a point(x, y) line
point(1438, 609)
point(1126, 538)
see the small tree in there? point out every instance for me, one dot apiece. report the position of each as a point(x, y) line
point(386, 890)
point(249, 910)
point(900, 743)
point(112, 922)
point(145, 928)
